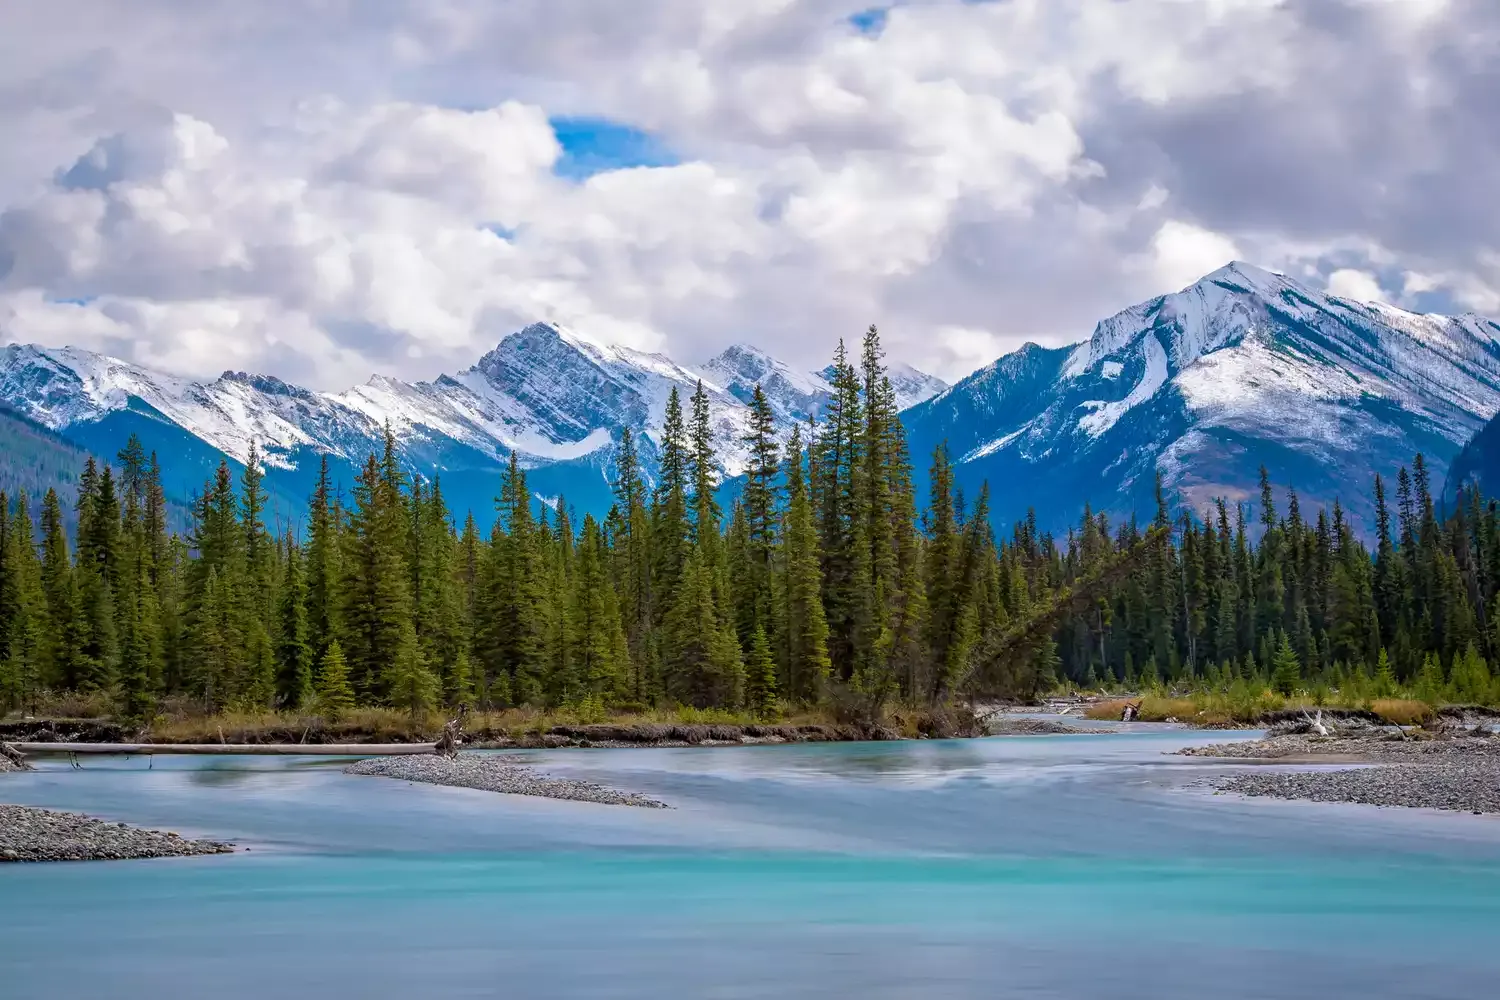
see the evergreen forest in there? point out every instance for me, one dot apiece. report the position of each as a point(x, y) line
point(827, 583)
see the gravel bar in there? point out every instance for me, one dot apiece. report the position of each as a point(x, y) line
point(1465, 786)
point(28, 834)
point(1040, 727)
point(1376, 745)
point(507, 775)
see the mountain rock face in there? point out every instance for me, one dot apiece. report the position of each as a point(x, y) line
point(556, 397)
point(1476, 465)
point(1242, 369)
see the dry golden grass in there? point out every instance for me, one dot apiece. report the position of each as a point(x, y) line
point(1401, 711)
point(1238, 707)
point(387, 725)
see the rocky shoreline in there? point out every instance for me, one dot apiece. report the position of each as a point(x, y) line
point(28, 834)
point(1459, 786)
point(1456, 770)
point(494, 773)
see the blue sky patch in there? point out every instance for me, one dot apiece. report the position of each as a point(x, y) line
point(870, 22)
point(81, 300)
point(596, 145)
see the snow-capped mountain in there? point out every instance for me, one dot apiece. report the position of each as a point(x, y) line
point(911, 385)
point(794, 396)
point(1243, 368)
point(555, 396)
point(799, 396)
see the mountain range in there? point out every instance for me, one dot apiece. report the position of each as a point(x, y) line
point(555, 397)
point(1244, 368)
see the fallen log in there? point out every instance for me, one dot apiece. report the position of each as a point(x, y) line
point(273, 749)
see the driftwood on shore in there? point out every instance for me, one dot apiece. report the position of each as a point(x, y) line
point(297, 749)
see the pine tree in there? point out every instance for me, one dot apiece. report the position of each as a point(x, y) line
point(760, 676)
point(377, 598)
point(322, 559)
point(805, 630)
point(843, 522)
point(761, 519)
point(599, 635)
point(294, 655)
point(1385, 678)
point(23, 630)
point(1286, 669)
point(335, 696)
point(633, 544)
point(60, 666)
point(412, 685)
point(703, 662)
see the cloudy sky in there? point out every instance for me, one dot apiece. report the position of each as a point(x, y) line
point(320, 189)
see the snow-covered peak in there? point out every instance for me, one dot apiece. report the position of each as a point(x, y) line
point(1203, 385)
point(912, 385)
point(745, 365)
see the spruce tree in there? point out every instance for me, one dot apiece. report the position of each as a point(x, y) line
point(335, 695)
point(1286, 669)
point(805, 638)
point(294, 655)
point(761, 518)
point(760, 676)
point(413, 687)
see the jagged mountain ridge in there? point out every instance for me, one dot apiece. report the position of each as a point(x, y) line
point(1243, 368)
point(554, 396)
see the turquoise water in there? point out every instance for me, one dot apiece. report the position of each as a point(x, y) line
point(1021, 866)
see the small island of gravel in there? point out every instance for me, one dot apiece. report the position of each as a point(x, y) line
point(1456, 769)
point(28, 834)
point(495, 773)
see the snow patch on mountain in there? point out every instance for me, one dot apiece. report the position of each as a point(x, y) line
point(548, 393)
point(1244, 367)
point(1106, 414)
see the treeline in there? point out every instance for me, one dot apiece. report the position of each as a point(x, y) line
point(824, 584)
point(1293, 603)
point(821, 583)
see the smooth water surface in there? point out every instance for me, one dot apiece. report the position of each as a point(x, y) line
point(1050, 866)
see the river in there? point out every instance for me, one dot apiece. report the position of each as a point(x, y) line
point(1047, 866)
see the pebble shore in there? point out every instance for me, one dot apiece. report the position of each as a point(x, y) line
point(1040, 727)
point(1454, 772)
point(1375, 744)
point(1454, 785)
point(28, 834)
point(508, 775)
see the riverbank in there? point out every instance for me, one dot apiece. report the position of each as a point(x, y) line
point(514, 729)
point(1459, 786)
point(1458, 770)
point(29, 834)
point(495, 773)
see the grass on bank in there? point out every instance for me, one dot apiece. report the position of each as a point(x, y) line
point(1248, 706)
point(181, 720)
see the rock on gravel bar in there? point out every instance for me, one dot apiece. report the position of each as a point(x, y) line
point(28, 834)
point(1465, 786)
point(495, 774)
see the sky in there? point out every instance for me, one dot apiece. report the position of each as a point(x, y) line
point(324, 189)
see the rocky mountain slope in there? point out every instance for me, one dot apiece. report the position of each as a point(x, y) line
point(1243, 368)
point(556, 397)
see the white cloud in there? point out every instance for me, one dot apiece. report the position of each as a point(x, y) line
point(1351, 283)
point(1181, 253)
point(322, 190)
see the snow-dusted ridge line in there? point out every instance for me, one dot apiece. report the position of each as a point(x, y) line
point(549, 393)
point(1243, 368)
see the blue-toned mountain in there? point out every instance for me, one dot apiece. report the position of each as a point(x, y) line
point(1244, 368)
